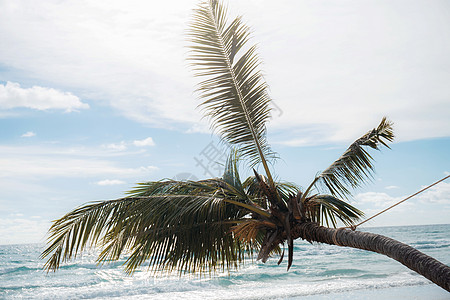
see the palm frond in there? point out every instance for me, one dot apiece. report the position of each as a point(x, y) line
point(355, 165)
point(231, 173)
point(327, 209)
point(234, 92)
point(253, 189)
point(286, 189)
point(81, 228)
point(249, 230)
point(169, 224)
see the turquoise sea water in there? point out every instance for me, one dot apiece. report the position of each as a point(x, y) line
point(318, 272)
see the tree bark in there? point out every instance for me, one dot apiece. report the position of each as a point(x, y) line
point(412, 258)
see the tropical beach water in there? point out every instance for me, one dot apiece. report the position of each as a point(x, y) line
point(318, 272)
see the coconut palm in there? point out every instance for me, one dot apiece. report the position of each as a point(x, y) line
point(219, 223)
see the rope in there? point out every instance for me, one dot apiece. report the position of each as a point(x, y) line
point(353, 227)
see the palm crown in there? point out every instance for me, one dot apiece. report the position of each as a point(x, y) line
point(218, 223)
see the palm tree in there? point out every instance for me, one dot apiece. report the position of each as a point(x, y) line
point(217, 224)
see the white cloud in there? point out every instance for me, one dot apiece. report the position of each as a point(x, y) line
point(429, 207)
point(65, 167)
point(17, 229)
point(110, 182)
point(438, 194)
point(420, 209)
point(144, 143)
point(36, 97)
point(132, 55)
point(123, 145)
point(28, 134)
point(38, 162)
point(16, 215)
point(200, 127)
point(333, 68)
point(391, 187)
point(148, 169)
point(375, 199)
point(116, 147)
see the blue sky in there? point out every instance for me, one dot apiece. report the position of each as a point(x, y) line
point(97, 96)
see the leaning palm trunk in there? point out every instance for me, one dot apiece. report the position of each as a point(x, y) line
point(417, 261)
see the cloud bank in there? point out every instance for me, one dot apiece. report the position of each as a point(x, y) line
point(148, 142)
point(108, 182)
point(334, 69)
point(28, 134)
point(39, 98)
point(39, 162)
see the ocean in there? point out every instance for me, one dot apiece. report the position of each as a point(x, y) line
point(318, 272)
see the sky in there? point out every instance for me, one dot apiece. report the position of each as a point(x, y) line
point(96, 96)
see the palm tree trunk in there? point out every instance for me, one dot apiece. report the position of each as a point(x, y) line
point(417, 261)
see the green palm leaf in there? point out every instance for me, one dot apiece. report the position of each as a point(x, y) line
point(327, 209)
point(169, 224)
point(79, 229)
point(234, 92)
point(355, 165)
